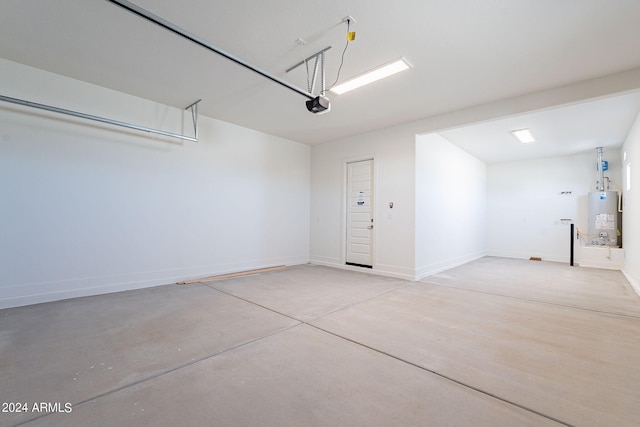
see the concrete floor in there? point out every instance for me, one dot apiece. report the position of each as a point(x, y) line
point(496, 342)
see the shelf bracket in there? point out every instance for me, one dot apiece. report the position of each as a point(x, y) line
point(194, 116)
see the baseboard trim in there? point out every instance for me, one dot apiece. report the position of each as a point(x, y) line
point(513, 255)
point(435, 268)
point(635, 284)
point(37, 293)
point(380, 270)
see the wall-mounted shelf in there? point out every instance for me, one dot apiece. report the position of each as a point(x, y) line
point(193, 107)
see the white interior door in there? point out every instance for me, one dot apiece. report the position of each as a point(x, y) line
point(360, 213)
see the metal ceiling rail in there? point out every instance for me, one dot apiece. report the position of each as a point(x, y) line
point(318, 65)
point(143, 13)
point(307, 59)
point(193, 107)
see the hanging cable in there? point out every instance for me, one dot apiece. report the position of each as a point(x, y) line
point(321, 104)
point(350, 37)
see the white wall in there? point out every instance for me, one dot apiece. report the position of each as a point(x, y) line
point(89, 208)
point(395, 152)
point(526, 204)
point(451, 205)
point(393, 182)
point(631, 206)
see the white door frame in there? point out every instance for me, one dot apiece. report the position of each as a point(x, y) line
point(344, 223)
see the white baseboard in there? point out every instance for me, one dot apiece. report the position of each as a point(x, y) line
point(435, 268)
point(516, 255)
point(394, 271)
point(325, 260)
point(380, 269)
point(35, 293)
point(634, 281)
point(397, 271)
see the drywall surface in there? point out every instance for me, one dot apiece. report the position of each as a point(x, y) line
point(451, 205)
point(393, 182)
point(630, 155)
point(527, 201)
point(89, 208)
point(395, 149)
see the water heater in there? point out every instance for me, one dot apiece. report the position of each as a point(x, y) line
point(604, 219)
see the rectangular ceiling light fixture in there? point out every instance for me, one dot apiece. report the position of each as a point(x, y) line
point(376, 74)
point(523, 135)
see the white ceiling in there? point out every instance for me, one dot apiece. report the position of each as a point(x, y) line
point(465, 53)
point(559, 131)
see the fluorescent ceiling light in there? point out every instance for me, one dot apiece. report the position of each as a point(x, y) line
point(376, 74)
point(523, 135)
